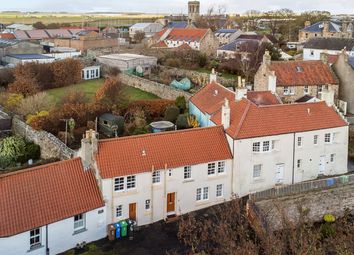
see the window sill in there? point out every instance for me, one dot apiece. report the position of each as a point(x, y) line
point(188, 180)
point(76, 232)
point(202, 202)
point(257, 180)
point(35, 247)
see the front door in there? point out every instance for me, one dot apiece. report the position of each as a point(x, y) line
point(279, 173)
point(132, 211)
point(171, 203)
point(322, 165)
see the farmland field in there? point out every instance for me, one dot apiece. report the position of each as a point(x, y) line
point(78, 19)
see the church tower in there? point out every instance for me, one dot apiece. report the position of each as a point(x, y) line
point(193, 10)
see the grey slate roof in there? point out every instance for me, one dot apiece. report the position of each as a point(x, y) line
point(351, 62)
point(330, 43)
point(29, 56)
point(177, 24)
point(318, 27)
point(8, 42)
point(244, 45)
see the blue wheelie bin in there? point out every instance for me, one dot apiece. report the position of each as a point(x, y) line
point(117, 226)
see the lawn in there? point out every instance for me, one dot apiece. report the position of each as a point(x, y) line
point(90, 87)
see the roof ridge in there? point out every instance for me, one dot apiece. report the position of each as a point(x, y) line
point(237, 131)
point(34, 168)
point(158, 134)
point(294, 104)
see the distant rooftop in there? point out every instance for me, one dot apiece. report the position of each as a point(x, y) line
point(351, 61)
point(29, 56)
point(125, 56)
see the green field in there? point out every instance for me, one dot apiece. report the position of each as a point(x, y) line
point(78, 19)
point(90, 87)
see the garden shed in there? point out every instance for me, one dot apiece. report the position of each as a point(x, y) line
point(110, 125)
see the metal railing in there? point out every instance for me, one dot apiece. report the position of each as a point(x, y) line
point(302, 187)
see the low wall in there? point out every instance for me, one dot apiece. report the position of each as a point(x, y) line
point(160, 90)
point(197, 77)
point(314, 205)
point(51, 146)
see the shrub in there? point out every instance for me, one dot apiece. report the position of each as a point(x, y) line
point(182, 122)
point(202, 60)
point(110, 92)
point(33, 151)
point(181, 104)
point(33, 118)
point(25, 85)
point(328, 230)
point(172, 113)
point(12, 148)
point(34, 104)
point(12, 101)
point(6, 77)
point(154, 108)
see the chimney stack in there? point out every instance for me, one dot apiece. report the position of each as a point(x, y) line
point(272, 82)
point(89, 147)
point(267, 58)
point(324, 57)
point(226, 114)
point(327, 95)
point(213, 76)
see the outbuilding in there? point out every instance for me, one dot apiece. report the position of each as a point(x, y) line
point(16, 59)
point(91, 72)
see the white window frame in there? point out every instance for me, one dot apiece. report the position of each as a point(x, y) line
point(156, 177)
point(299, 141)
point(286, 90)
point(131, 182)
point(211, 168)
point(221, 167)
point(119, 184)
point(257, 171)
point(202, 194)
point(147, 204)
point(35, 238)
point(187, 173)
point(315, 139)
point(328, 138)
point(256, 147)
point(219, 190)
point(119, 211)
point(299, 163)
point(289, 90)
point(79, 222)
point(266, 146)
point(319, 89)
point(306, 90)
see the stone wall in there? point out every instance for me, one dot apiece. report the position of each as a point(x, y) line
point(161, 90)
point(51, 146)
point(198, 78)
point(314, 205)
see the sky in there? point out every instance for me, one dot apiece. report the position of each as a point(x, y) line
point(175, 6)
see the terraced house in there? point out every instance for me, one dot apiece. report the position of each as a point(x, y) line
point(292, 80)
point(153, 177)
point(50, 209)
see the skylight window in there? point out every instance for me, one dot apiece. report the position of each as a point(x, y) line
point(299, 69)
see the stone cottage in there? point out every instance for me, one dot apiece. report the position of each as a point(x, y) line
point(292, 80)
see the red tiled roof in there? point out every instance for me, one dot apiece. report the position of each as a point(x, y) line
point(59, 33)
point(184, 34)
point(209, 101)
point(42, 195)
point(249, 120)
point(7, 36)
point(312, 73)
point(211, 97)
point(263, 98)
point(160, 44)
point(142, 153)
point(184, 47)
point(332, 58)
point(37, 34)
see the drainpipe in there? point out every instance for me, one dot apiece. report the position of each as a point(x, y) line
point(165, 194)
point(232, 167)
point(46, 240)
point(293, 172)
point(152, 197)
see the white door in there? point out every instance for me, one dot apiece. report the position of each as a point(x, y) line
point(279, 173)
point(322, 165)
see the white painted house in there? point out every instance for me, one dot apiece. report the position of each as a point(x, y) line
point(152, 177)
point(283, 144)
point(91, 72)
point(331, 46)
point(50, 209)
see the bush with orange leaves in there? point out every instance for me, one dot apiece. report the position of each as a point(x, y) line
point(110, 93)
